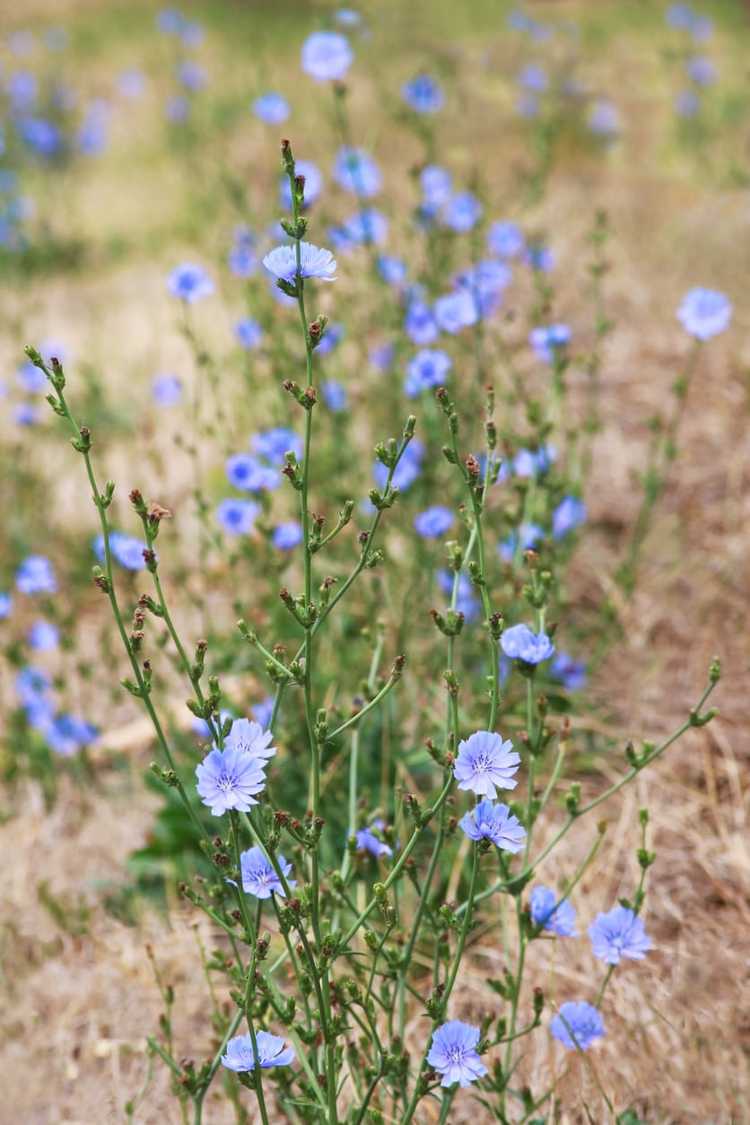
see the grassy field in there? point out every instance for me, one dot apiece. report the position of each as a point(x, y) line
point(77, 943)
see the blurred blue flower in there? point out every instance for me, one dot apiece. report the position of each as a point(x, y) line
point(237, 517)
point(704, 313)
point(368, 841)
point(429, 368)
point(334, 395)
point(313, 183)
point(287, 536)
point(423, 94)
point(131, 83)
point(26, 414)
point(486, 763)
point(66, 734)
point(93, 131)
point(453, 1053)
point(6, 605)
point(331, 338)
point(273, 444)
point(271, 108)
point(539, 258)
point(462, 212)
point(520, 643)
point(326, 56)
point(569, 514)
point(533, 77)
point(419, 323)
point(259, 876)
point(497, 823)
point(356, 171)
point(455, 311)
point(250, 474)
point(263, 711)
point(22, 88)
point(534, 462)
point(549, 339)
point(433, 522)
point(192, 75)
point(567, 671)
point(31, 378)
point(526, 538)
point(177, 109)
point(190, 283)
point(467, 602)
point(553, 914)
point(505, 239)
point(166, 389)
point(392, 270)
point(687, 103)
point(41, 135)
point(381, 356)
point(407, 470)
point(437, 186)
point(604, 119)
point(35, 575)
point(577, 1025)
point(43, 636)
point(619, 933)
point(248, 332)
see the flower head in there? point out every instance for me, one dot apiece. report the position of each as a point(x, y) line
point(704, 313)
point(569, 514)
point(437, 186)
point(551, 913)
point(496, 823)
point(577, 1025)
point(271, 1051)
point(230, 779)
point(237, 517)
point(505, 239)
point(486, 763)
point(462, 212)
point(433, 522)
point(368, 841)
point(357, 172)
point(249, 737)
point(259, 876)
point(36, 576)
point(248, 332)
point(549, 340)
point(275, 443)
point(166, 390)
point(619, 933)
point(407, 470)
point(287, 536)
point(326, 56)
point(190, 283)
point(251, 475)
point(429, 368)
point(567, 671)
point(520, 643)
point(313, 183)
point(271, 108)
point(419, 323)
point(423, 94)
point(314, 262)
point(6, 604)
point(453, 1053)
point(43, 636)
point(334, 395)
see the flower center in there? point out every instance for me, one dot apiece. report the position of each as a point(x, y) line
point(456, 1055)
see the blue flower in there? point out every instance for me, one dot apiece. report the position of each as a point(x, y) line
point(437, 186)
point(41, 135)
point(496, 823)
point(368, 841)
point(357, 172)
point(314, 262)
point(368, 228)
point(36, 576)
point(31, 684)
point(433, 522)
point(453, 1053)
point(485, 282)
point(166, 390)
point(569, 514)
point(334, 395)
point(347, 17)
point(704, 313)
point(392, 270)
point(230, 779)
point(6, 605)
point(271, 1051)
point(191, 74)
point(332, 336)
point(131, 83)
point(419, 323)
point(326, 56)
point(273, 444)
point(22, 89)
point(549, 340)
point(619, 933)
point(462, 212)
point(249, 474)
point(65, 734)
point(31, 378)
point(242, 258)
point(263, 711)
point(177, 109)
point(505, 239)
point(26, 414)
point(455, 311)
point(551, 913)
point(125, 549)
point(248, 332)
point(381, 356)
point(568, 672)
point(92, 134)
point(259, 876)
point(43, 636)
point(287, 536)
point(313, 183)
point(539, 258)
point(271, 108)
point(534, 462)
point(486, 763)
point(429, 368)
point(248, 737)
point(526, 538)
point(577, 1025)
point(604, 120)
point(701, 70)
point(680, 16)
point(533, 77)
point(520, 643)
point(190, 283)
point(237, 517)
point(687, 103)
point(423, 94)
